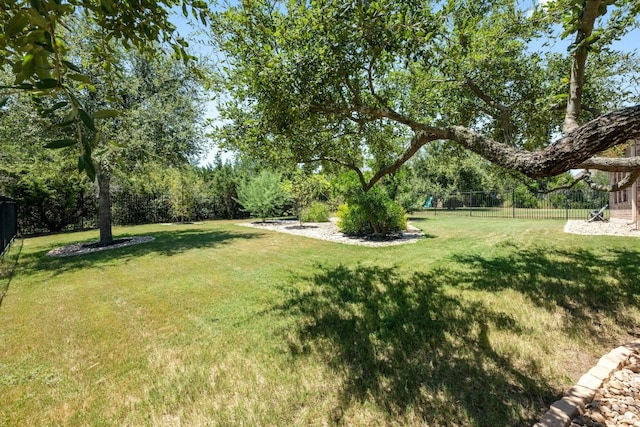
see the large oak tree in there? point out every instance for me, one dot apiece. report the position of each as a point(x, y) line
point(363, 79)
point(39, 42)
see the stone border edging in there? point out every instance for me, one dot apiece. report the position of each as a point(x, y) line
point(563, 411)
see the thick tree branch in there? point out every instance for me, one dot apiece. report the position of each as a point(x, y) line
point(626, 181)
point(617, 164)
point(417, 142)
point(571, 151)
point(503, 115)
point(574, 150)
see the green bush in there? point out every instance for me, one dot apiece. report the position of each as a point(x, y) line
point(262, 195)
point(373, 213)
point(51, 200)
point(316, 212)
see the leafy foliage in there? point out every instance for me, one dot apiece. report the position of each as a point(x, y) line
point(315, 212)
point(262, 195)
point(371, 213)
point(222, 182)
point(51, 198)
point(365, 85)
point(38, 43)
point(184, 189)
point(304, 189)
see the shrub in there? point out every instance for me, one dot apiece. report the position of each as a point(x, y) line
point(316, 212)
point(52, 200)
point(372, 212)
point(262, 195)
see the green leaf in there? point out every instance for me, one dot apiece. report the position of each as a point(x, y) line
point(71, 66)
point(46, 83)
point(116, 144)
point(79, 78)
point(75, 101)
point(53, 108)
point(61, 143)
point(87, 120)
point(16, 24)
point(107, 6)
point(87, 147)
point(104, 114)
point(36, 19)
point(36, 5)
point(89, 167)
point(63, 124)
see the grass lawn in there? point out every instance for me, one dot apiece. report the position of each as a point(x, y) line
point(483, 323)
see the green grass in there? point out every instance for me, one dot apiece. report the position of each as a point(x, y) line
point(483, 323)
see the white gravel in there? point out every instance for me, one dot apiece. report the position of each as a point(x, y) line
point(329, 231)
point(600, 228)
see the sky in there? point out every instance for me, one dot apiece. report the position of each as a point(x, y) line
point(628, 43)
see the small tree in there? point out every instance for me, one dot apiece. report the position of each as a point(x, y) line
point(304, 190)
point(184, 187)
point(262, 195)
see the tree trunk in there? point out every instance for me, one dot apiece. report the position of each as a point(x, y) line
point(574, 103)
point(104, 206)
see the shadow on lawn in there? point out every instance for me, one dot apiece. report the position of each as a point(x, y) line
point(587, 286)
point(408, 345)
point(166, 243)
point(409, 342)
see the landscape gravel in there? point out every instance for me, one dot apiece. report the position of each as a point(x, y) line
point(617, 402)
point(329, 231)
point(602, 228)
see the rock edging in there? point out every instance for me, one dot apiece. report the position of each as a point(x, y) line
point(563, 411)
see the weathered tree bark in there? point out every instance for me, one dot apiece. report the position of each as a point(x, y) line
point(573, 151)
point(103, 176)
point(576, 81)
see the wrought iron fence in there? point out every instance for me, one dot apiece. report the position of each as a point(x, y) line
point(566, 204)
point(8, 222)
point(129, 209)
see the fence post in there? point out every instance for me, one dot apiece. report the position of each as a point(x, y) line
point(8, 222)
point(513, 203)
point(470, 203)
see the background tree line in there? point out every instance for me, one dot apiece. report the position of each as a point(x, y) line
point(398, 94)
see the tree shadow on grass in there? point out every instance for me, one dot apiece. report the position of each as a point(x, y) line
point(406, 343)
point(166, 243)
point(590, 288)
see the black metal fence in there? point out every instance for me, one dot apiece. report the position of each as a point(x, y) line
point(129, 209)
point(8, 223)
point(566, 204)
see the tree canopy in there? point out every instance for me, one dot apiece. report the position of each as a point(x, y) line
point(345, 82)
point(37, 45)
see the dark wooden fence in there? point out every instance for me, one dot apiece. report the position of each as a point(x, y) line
point(8, 223)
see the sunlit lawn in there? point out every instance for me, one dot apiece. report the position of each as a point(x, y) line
point(484, 322)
